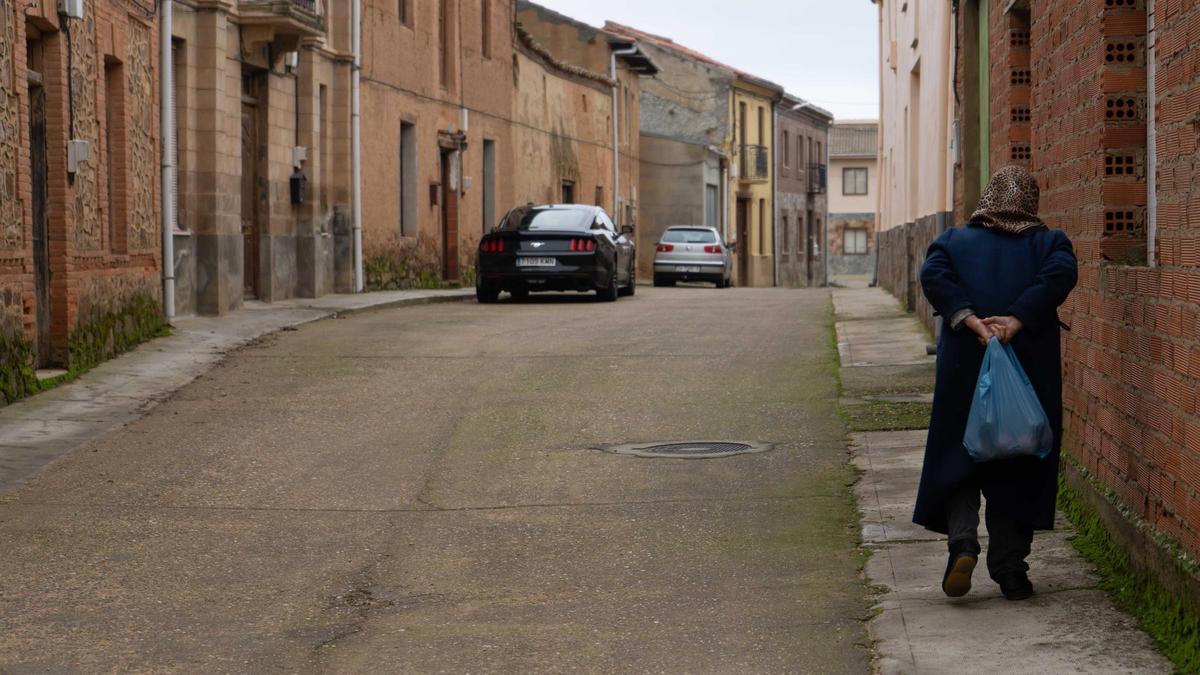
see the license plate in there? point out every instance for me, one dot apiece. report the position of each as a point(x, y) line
point(536, 262)
point(688, 270)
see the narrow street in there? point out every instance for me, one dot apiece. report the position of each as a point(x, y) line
point(419, 490)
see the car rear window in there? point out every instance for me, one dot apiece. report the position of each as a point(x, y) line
point(687, 236)
point(534, 219)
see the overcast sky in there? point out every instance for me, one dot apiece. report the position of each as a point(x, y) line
point(820, 50)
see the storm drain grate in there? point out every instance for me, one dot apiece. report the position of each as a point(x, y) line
point(688, 449)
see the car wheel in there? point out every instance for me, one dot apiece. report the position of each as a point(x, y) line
point(486, 293)
point(611, 292)
point(659, 283)
point(632, 287)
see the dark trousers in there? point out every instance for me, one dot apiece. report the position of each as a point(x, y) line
point(1008, 540)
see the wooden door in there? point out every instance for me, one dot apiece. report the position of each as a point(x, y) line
point(250, 210)
point(809, 247)
point(41, 226)
point(449, 219)
point(743, 243)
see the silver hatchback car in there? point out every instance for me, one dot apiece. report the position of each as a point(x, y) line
point(692, 253)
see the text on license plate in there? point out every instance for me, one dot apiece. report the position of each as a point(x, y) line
point(536, 262)
point(685, 269)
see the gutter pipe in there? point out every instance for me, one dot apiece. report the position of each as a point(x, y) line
point(356, 140)
point(825, 220)
point(774, 197)
point(167, 112)
point(612, 73)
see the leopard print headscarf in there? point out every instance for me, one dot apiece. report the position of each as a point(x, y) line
point(1010, 202)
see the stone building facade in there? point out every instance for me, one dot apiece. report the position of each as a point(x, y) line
point(262, 91)
point(853, 196)
point(1098, 99)
point(680, 111)
point(574, 131)
point(79, 210)
point(471, 108)
point(801, 187)
point(686, 143)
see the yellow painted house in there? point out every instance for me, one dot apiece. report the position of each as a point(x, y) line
point(752, 106)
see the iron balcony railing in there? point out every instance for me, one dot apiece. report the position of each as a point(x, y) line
point(755, 162)
point(289, 18)
point(816, 178)
point(314, 7)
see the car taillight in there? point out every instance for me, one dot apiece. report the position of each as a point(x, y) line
point(583, 245)
point(492, 246)
point(713, 249)
point(664, 248)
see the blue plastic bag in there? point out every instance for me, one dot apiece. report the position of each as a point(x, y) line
point(1007, 419)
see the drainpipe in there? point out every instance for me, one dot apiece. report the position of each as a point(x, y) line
point(356, 140)
point(612, 73)
point(774, 198)
point(723, 204)
point(167, 101)
point(825, 220)
point(1151, 139)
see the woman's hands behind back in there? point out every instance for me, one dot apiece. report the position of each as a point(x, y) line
point(981, 329)
point(1004, 327)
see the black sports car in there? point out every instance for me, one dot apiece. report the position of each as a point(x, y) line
point(566, 247)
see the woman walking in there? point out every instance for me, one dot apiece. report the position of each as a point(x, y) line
point(1004, 275)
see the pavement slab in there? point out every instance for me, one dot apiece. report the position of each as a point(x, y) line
point(1069, 626)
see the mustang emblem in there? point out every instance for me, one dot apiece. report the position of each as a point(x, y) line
point(538, 244)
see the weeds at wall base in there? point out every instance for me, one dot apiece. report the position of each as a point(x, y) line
point(92, 342)
point(411, 263)
point(18, 372)
point(1173, 626)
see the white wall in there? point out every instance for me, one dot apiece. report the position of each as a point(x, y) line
point(916, 69)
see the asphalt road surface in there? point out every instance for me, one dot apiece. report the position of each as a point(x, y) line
point(417, 490)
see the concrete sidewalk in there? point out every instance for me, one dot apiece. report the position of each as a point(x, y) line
point(37, 430)
point(1069, 626)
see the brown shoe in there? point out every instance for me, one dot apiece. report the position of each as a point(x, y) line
point(957, 581)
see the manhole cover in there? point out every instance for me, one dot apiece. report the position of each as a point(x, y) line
point(688, 449)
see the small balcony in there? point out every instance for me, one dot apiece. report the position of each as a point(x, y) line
point(817, 179)
point(755, 166)
point(283, 23)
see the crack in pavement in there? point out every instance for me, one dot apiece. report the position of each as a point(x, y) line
point(488, 356)
point(430, 509)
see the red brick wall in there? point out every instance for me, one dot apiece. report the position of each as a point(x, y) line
point(94, 269)
point(1132, 360)
point(1011, 77)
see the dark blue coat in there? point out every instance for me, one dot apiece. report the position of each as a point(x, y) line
point(996, 274)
